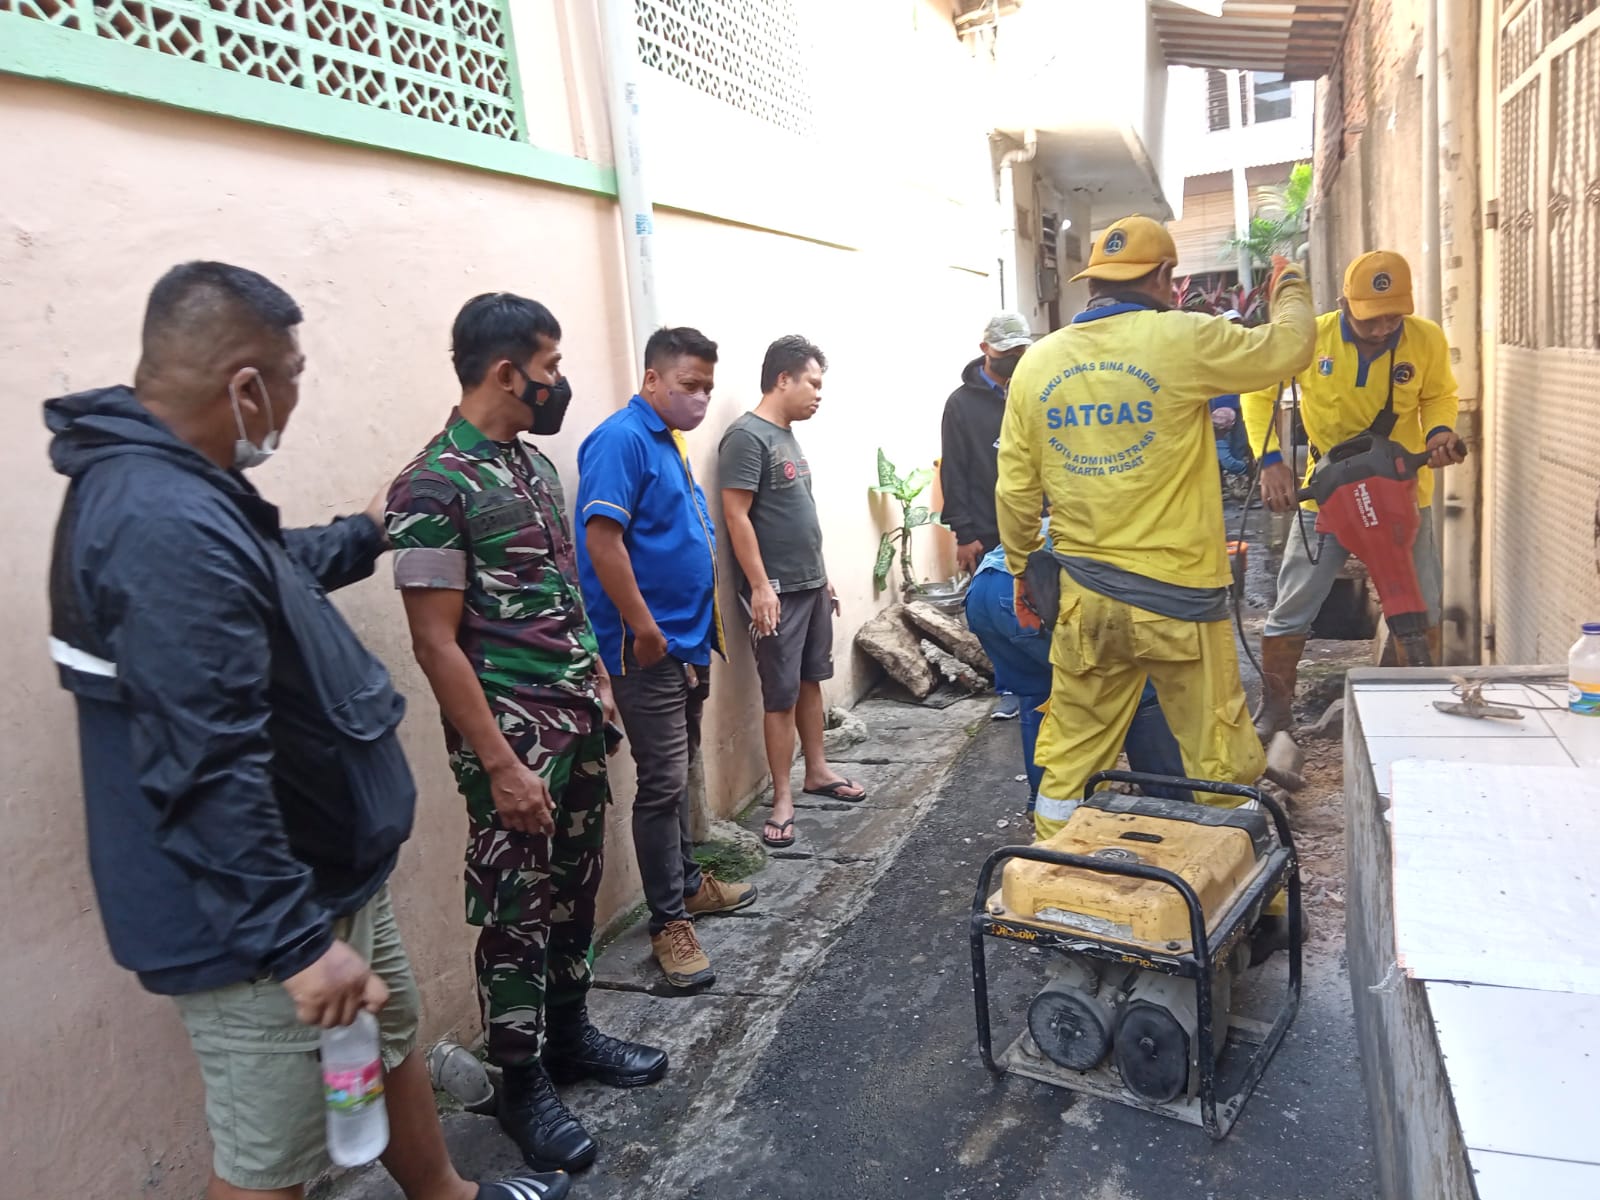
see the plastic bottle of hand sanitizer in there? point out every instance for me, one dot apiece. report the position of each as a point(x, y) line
point(1583, 672)
point(352, 1085)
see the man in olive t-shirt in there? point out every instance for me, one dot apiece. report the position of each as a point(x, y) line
point(771, 520)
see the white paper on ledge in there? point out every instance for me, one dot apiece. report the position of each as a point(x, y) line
point(1497, 874)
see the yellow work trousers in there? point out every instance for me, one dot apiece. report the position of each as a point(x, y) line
point(1102, 652)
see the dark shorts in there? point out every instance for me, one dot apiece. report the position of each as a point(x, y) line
point(800, 651)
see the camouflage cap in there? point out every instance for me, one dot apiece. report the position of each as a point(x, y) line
point(1007, 331)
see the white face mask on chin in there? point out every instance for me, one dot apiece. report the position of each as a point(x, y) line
point(247, 454)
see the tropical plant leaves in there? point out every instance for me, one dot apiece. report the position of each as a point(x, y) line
point(888, 480)
point(915, 484)
point(880, 571)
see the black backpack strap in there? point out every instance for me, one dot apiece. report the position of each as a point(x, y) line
point(1383, 423)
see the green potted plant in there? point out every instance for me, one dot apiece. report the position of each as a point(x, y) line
point(906, 490)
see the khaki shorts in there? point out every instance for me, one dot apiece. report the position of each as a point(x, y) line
point(262, 1078)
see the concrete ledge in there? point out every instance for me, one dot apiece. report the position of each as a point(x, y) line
point(1418, 1148)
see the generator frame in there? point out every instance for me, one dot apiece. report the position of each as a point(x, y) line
point(1282, 869)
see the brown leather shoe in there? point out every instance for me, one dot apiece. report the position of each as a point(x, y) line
point(715, 896)
point(677, 952)
point(1280, 669)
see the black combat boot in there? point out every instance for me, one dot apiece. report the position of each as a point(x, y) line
point(574, 1049)
point(549, 1136)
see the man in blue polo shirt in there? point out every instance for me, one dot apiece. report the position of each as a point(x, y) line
point(647, 563)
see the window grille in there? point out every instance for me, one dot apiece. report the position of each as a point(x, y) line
point(1574, 204)
point(1561, 15)
point(1519, 185)
point(1541, 582)
point(1216, 101)
point(749, 54)
point(1520, 43)
point(445, 61)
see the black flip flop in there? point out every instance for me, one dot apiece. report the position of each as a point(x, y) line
point(779, 842)
point(834, 791)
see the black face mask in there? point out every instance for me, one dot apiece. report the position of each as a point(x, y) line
point(548, 402)
point(1004, 368)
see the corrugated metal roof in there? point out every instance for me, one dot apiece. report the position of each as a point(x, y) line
point(1300, 38)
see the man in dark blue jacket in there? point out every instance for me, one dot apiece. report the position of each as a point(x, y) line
point(246, 794)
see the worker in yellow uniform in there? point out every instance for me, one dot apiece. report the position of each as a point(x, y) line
point(1109, 420)
point(1372, 358)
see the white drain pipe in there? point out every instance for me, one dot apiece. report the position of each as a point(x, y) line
point(1458, 491)
point(636, 207)
point(624, 102)
point(1241, 186)
point(1009, 271)
point(1430, 163)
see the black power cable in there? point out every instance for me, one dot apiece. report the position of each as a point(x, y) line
point(1250, 499)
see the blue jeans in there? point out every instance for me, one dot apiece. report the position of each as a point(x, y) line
point(1233, 450)
point(1021, 657)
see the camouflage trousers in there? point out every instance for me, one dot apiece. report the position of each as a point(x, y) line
point(532, 897)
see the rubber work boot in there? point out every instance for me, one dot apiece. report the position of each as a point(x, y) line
point(677, 952)
point(574, 1049)
point(715, 896)
point(554, 1186)
point(1280, 667)
point(533, 1116)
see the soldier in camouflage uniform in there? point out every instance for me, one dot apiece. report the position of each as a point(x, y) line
point(484, 557)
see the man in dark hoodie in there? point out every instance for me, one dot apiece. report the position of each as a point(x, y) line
point(970, 451)
point(970, 439)
point(245, 790)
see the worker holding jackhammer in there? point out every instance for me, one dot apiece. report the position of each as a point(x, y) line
point(1375, 365)
point(1109, 420)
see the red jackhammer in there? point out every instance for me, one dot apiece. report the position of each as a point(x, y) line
point(1366, 494)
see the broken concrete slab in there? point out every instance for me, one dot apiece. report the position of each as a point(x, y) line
point(951, 633)
point(953, 669)
point(893, 642)
point(845, 729)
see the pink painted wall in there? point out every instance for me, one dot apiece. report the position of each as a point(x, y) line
point(99, 1098)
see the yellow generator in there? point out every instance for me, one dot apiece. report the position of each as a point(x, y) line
point(1144, 908)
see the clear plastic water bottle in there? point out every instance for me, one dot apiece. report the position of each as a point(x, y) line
point(1583, 672)
point(352, 1086)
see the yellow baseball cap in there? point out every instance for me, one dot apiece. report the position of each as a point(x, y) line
point(1378, 284)
point(1131, 248)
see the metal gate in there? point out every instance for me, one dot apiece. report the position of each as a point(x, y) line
point(1542, 446)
